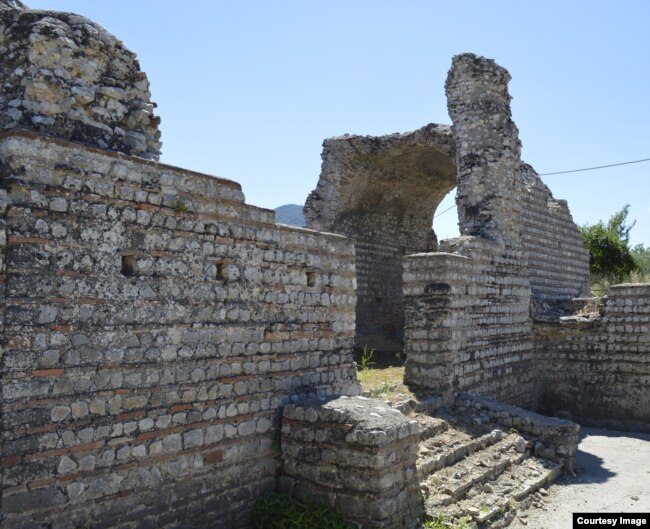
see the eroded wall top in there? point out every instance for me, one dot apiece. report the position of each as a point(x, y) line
point(66, 76)
point(362, 173)
point(488, 149)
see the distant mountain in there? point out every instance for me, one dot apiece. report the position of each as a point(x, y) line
point(290, 214)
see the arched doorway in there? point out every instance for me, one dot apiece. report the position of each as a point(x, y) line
point(382, 192)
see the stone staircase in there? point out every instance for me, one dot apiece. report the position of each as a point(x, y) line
point(470, 471)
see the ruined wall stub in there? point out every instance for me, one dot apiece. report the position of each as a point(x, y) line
point(382, 193)
point(467, 307)
point(595, 365)
point(65, 76)
point(357, 454)
point(488, 157)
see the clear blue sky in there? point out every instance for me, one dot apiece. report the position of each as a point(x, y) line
point(248, 90)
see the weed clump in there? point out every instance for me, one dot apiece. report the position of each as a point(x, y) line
point(279, 511)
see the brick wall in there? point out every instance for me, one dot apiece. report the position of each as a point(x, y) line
point(558, 262)
point(597, 368)
point(356, 454)
point(467, 321)
point(153, 326)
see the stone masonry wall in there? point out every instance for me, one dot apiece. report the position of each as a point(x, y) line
point(356, 454)
point(467, 323)
point(65, 76)
point(558, 262)
point(597, 367)
point(154, 324)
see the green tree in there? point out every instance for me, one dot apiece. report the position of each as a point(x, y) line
point(641, 256)
point(610, 257)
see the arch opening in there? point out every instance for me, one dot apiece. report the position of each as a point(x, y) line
point(445, 217)
point(382, 192)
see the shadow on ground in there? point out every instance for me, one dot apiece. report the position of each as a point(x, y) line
point(591, 468)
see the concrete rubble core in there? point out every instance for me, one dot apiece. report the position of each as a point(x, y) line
point(170, 353)
point(65, 76)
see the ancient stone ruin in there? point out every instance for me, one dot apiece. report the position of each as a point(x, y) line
point(170, 353)
point(67, 77)
point(382, 193)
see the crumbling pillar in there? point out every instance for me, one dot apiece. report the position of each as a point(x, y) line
point(488, 150)
point(467, 320)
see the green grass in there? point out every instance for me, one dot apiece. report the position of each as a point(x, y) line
point(440, 523)
point(437, 523)
point(279, 511)
point(181, 206)
point(385, 383)
point(365, 362)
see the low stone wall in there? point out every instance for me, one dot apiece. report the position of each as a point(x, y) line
point(467, 321)
point(597, 367)
point(551, 437)
point(356, 454)
point(153, 325)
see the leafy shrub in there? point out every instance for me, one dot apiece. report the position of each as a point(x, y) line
point(641, 256)
point(279, 511)
point(608, 244)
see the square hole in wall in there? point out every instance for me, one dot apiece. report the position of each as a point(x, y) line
point(311, 279)
point(128, 265)
point(221, 270)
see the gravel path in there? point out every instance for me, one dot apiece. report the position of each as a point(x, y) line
point(613, 476)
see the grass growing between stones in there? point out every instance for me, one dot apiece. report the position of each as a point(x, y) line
point(440, 523)
point(279, 511)
point(365, 362)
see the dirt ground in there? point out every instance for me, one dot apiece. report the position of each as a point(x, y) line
point(613, 476)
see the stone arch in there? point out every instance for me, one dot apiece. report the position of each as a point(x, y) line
point(382, 192)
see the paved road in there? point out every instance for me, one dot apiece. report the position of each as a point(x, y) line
point(614, 476)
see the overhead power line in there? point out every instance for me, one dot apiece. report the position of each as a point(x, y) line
point(445, 211)
point(597, 167)
point(565, 172)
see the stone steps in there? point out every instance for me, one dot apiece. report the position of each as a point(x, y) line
point(501, 498)
point(450, 447)
point(485, 477)
point(430, 426)
point(450, 484)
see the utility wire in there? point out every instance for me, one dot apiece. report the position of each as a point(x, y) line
point(445, 211)
point(598, 167)
point(565, 172)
